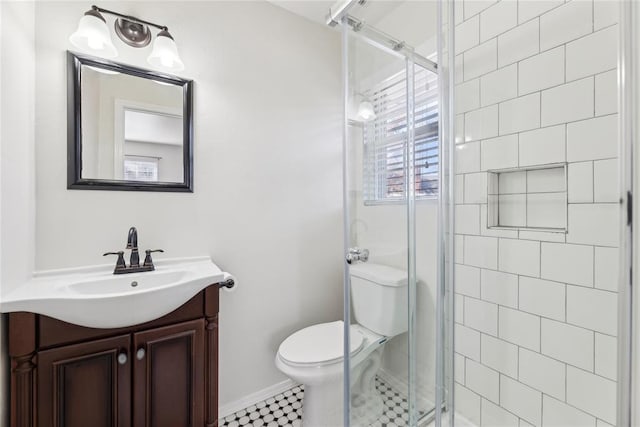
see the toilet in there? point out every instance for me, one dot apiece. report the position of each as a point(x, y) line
point(314, 356)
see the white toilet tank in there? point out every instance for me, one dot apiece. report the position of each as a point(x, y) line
point(379, 298)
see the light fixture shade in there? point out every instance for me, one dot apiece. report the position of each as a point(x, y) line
point(165, 53)
point(92, 36)
point(366, 111)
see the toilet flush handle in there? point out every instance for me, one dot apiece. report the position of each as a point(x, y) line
point(357, 254)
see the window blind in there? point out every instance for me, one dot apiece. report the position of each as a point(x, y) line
point(385, 137)
point(141, 168)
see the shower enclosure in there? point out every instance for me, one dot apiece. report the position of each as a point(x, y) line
point(482, 156)
point(392, 170)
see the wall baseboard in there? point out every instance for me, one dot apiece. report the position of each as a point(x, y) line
point(253, 398)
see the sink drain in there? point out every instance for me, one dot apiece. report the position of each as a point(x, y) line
point(134, 284)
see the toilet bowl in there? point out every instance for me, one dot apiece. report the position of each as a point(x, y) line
point(314, 356)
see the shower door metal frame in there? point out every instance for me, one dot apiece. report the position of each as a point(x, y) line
point(445, 307)
point(346, 227)
point(629, 104)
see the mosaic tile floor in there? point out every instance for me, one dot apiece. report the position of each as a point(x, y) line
point(286, 410)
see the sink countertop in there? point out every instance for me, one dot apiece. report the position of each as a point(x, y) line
point(94, 297)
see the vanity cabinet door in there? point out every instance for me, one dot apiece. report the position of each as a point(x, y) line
point(87, 384)
point(169, 376)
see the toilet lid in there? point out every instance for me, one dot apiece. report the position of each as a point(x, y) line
point(319, 344)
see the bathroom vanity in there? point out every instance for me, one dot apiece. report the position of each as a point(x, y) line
point(160, 373)
point(88, 348)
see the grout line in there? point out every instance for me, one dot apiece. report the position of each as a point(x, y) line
point(566, 303)
point(539, 34)
point(564, 57)
point(594, 353)
point(540, 261)
point(518, 291)
point(566, 384)
point(594, 95)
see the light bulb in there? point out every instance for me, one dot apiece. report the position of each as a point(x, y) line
point(94, 42)
point(366, 111)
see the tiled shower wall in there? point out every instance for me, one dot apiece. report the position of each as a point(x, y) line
point(536, 311)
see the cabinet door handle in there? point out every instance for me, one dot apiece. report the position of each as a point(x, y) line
point(140, 354)
point(122, 358)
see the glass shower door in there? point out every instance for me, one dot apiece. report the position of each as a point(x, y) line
point(391, 210)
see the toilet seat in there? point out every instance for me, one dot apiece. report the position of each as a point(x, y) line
point(320, 344)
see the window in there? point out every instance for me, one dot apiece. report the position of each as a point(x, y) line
point(385, 155)
point(141, 168)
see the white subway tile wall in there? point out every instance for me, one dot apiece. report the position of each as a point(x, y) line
point(481, 124)
point(536, 312)
point(480, 59)
point(499, 85)
point(581, 182)
point(494, 415)
point(543, 146)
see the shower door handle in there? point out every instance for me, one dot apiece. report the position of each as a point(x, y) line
point(357, 254)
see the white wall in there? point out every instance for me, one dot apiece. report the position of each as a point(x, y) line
point(536, 313)
point(18, 210)
point(17, 62)
point(267, 201)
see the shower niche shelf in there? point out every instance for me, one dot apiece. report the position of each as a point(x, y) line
point(532, 198)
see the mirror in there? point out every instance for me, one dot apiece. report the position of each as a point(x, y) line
point(128, 128)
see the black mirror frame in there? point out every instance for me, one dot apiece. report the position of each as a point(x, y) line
point(74, 128)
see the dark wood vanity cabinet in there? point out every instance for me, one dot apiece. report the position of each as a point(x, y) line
point(168, 380)
point(159, 374)
point(84, 384)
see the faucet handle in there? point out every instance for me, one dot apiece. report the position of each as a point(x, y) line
point(120, 262)
point(148, 262)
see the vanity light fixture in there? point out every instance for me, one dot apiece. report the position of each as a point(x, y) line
point(92, 36)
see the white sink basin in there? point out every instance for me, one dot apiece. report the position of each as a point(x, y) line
point(126, 284)
point(95, 297)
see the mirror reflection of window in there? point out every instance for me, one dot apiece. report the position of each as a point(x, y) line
point(156, 137)
point(137, 168)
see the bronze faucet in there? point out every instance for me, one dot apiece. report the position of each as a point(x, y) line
point(134, 259)
point(132, 243)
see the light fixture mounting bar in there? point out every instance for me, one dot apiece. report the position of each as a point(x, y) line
point(129, 18)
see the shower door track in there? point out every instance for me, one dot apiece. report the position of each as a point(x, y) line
point(385, 42)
